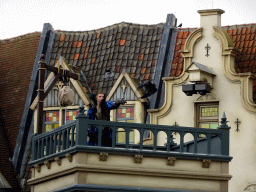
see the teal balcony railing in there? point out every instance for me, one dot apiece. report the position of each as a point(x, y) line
point(72, 138)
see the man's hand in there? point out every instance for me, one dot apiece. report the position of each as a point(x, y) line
point(121, 101)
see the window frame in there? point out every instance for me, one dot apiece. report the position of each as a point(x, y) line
point(62, 114)
point(200, 119)
point(118, 131)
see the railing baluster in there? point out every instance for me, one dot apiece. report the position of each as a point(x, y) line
point(72, 136)
point(47, 145)
point(99, 135)
point(114, 137)
point(42, 147)
point(195, 142)
point(209, 137)
point(59, 141)
point(141, 138)
point(50, 147)
point(127, 134)
point(38, 149)
point(168, 133)
point(182, 142)
point(155, 139)
point(67, 138)
point(54, 143)
point(64, 140)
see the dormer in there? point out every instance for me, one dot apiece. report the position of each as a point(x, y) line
point(199, 73)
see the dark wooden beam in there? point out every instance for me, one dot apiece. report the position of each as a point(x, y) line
point(51, 85)
point(61, 71)
point(43, 93)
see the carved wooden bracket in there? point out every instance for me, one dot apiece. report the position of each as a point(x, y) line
point(38, 168)
point(171, 161)
point(138, 158)
point(58, 160)
point(103, 156)
point(69, 156)
point(206, 163)
point(48, 164)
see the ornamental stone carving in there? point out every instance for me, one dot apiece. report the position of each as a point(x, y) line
point(103, 156)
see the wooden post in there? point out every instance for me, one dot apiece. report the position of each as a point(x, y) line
point(42, 68)
point(43, 93)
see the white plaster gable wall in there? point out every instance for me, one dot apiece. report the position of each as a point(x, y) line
point(242, 143)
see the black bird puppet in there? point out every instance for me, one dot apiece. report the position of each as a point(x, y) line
point(149, 89)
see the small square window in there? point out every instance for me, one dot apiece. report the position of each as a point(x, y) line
point(208, 115)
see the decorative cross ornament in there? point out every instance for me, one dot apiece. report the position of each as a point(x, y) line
point(207, 47)
point(237, 122)
point(123, 87)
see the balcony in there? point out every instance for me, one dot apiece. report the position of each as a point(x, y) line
point(62, 160)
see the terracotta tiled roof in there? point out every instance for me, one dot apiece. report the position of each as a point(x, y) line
point(17, 57)
point(177, 63)
point(124, 46)
point(244, 38)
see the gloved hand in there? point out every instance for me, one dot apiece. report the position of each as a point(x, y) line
point(120, 101)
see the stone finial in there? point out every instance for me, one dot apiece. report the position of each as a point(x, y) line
point(223, 119)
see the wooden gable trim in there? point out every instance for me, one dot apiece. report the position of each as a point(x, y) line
point(77, 85)
point(132, 84)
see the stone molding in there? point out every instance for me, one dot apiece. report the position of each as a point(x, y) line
point(228, 55)
point(131, 171)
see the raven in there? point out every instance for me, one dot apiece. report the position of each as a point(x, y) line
point(150, 89)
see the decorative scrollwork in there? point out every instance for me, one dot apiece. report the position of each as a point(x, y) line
point(138, 158)
point(171, 161)
point(103, 156)
point(206, 163)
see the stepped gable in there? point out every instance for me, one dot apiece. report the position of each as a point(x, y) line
point(244, 38)
point(17, 57)
point(132, 48)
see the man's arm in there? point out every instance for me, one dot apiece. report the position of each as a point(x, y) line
point(114, 105)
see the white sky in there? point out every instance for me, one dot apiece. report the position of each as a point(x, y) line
point(18, 17)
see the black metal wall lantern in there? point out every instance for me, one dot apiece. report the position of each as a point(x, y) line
point(202, 89)
point(201, 78)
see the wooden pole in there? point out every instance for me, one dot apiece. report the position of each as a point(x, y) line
point(42, 68)
point(43, 93)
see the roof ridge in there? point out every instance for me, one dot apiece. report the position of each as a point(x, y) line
point(240, 25)
point(19, 37)
point(112, 26)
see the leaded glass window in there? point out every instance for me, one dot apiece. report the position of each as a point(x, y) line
point(125, 114)
point(51, 120)
point(208, 115)
point(71, 115)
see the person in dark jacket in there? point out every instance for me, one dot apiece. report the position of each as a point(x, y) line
point(101, 111)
